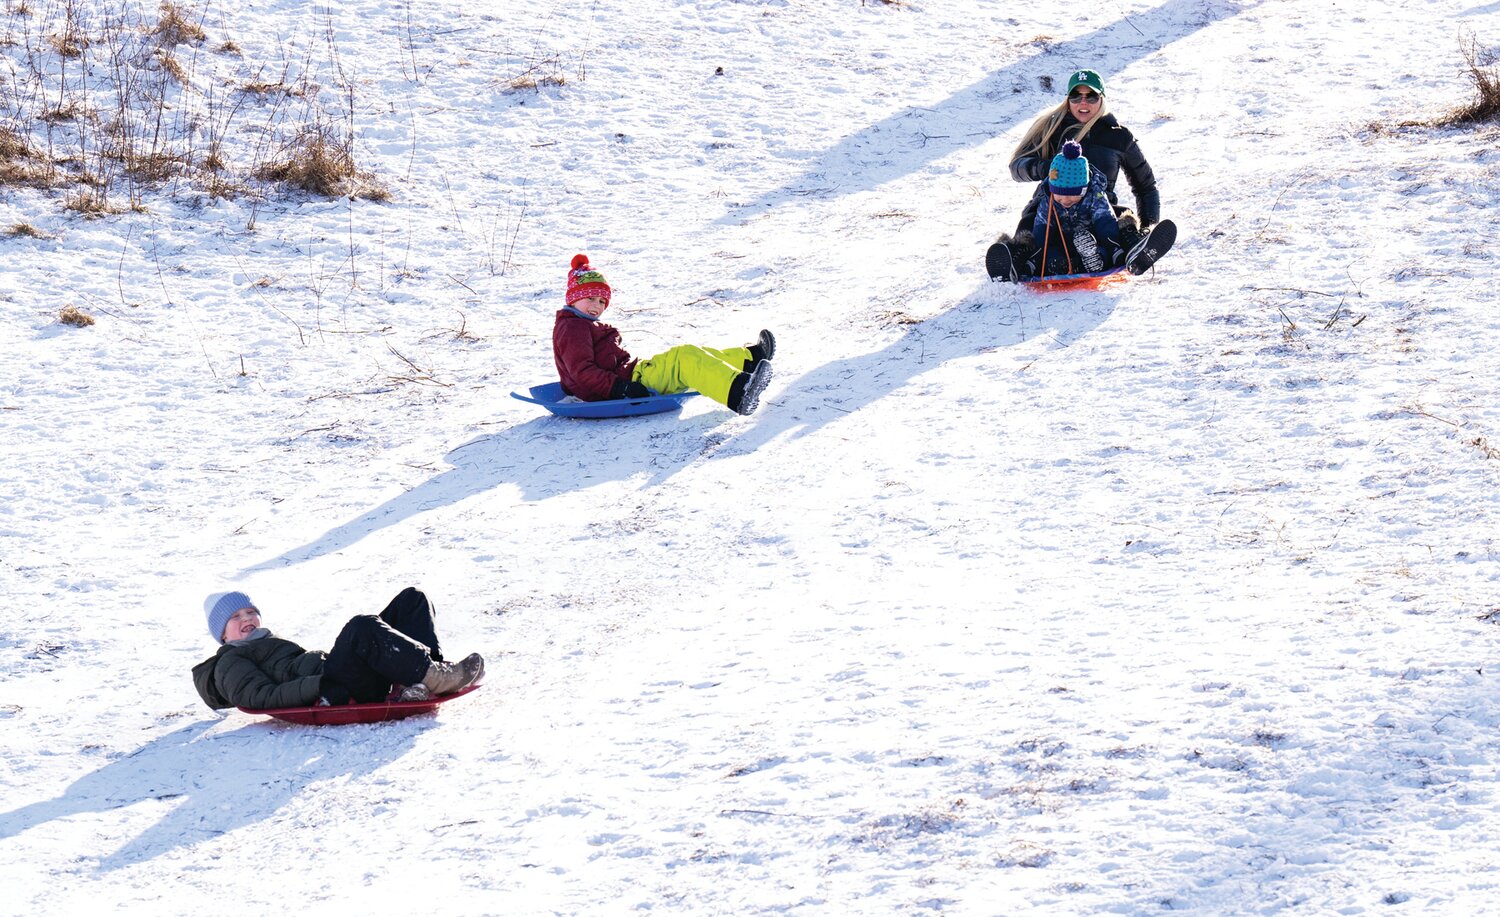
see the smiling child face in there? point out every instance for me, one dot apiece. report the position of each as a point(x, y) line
point(242, 624)
point(592, 306)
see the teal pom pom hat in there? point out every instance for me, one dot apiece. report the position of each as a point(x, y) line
point(584, 281)
point(1089, 78)
point(1070, 171)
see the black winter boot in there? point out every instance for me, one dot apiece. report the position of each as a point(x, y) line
point(746, 389)
point(1000, 263)
point(763, 349)
point(1155, 244)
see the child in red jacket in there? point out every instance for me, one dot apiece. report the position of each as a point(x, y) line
point(594, 367)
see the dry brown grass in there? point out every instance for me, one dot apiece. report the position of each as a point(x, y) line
point(21, 165)
point(25, 230)
point(72, 315)
point(68, 111)
point(13, 146)
point(153, 167)
point(1483, 70)
point(28, 175)
point(70, 44)
point(176, 26)
point(320, 162)
point(56, 135)
point(171, 66)
point(544, 73)
point(533, 82)
point(262, 88)
point(91, 202)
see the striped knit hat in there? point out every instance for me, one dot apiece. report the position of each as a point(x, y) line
point(584, 281)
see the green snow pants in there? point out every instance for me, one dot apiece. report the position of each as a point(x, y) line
point(707, 371)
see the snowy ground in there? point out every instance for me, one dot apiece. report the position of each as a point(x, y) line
point(1172, 596)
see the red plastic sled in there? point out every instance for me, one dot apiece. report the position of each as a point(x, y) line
point(1076, 281)
point(358, 713)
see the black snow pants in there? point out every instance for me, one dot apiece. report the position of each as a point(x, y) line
point(372, 653)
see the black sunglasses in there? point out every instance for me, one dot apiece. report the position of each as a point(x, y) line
point(1081, 96)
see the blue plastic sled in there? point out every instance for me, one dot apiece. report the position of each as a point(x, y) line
point(551, 395)
point(1075, 281)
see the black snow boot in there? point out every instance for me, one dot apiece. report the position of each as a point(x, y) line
point(763, 349)
point(1147, 251)
point(1000, 262)
point(746, 389)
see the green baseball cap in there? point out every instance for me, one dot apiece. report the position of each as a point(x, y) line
point(1089, 78)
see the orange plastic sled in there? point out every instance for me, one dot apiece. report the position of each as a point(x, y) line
point(1076, 281)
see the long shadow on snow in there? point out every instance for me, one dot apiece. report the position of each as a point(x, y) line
point(866, 159)
point(997, 316)
point(265, 764)
point(549, 456)
point(544, 457)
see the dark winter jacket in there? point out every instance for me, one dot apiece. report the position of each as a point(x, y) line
point(260, 673)
point(1055, 227)
point(1109, 147)
point(589, 357)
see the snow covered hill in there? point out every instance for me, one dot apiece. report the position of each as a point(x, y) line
point(1178, 595)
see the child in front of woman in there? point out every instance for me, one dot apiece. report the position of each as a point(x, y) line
point(1075, 228)
point(593, 365)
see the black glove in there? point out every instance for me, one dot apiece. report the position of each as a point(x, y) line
point(632, 389)
point(336, 694)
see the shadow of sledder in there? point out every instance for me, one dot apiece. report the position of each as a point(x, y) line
point(215, 784)
point(549, 456)
point(544, 458)
point(994, 317)
point(865, 159)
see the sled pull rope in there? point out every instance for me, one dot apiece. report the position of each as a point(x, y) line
point(1047, 237)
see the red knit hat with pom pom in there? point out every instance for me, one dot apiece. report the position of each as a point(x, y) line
point(584, 281)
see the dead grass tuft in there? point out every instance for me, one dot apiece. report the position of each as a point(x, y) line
point(541, 74)
point(320, 162)
point(21, 165)
point(262, 88)
point(527, 82)
point(72, 315)
point(1483, 70)
point(13, 146)
point(70, 44)
point(25, 230)
point(91, 202)
point(171, 66)
point(60, 114)
point(149, 168)
point(176, 26)
point(27, 175)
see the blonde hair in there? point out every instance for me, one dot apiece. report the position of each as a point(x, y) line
point(1038, 140)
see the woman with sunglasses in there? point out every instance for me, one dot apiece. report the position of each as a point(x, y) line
point(1108, 145)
